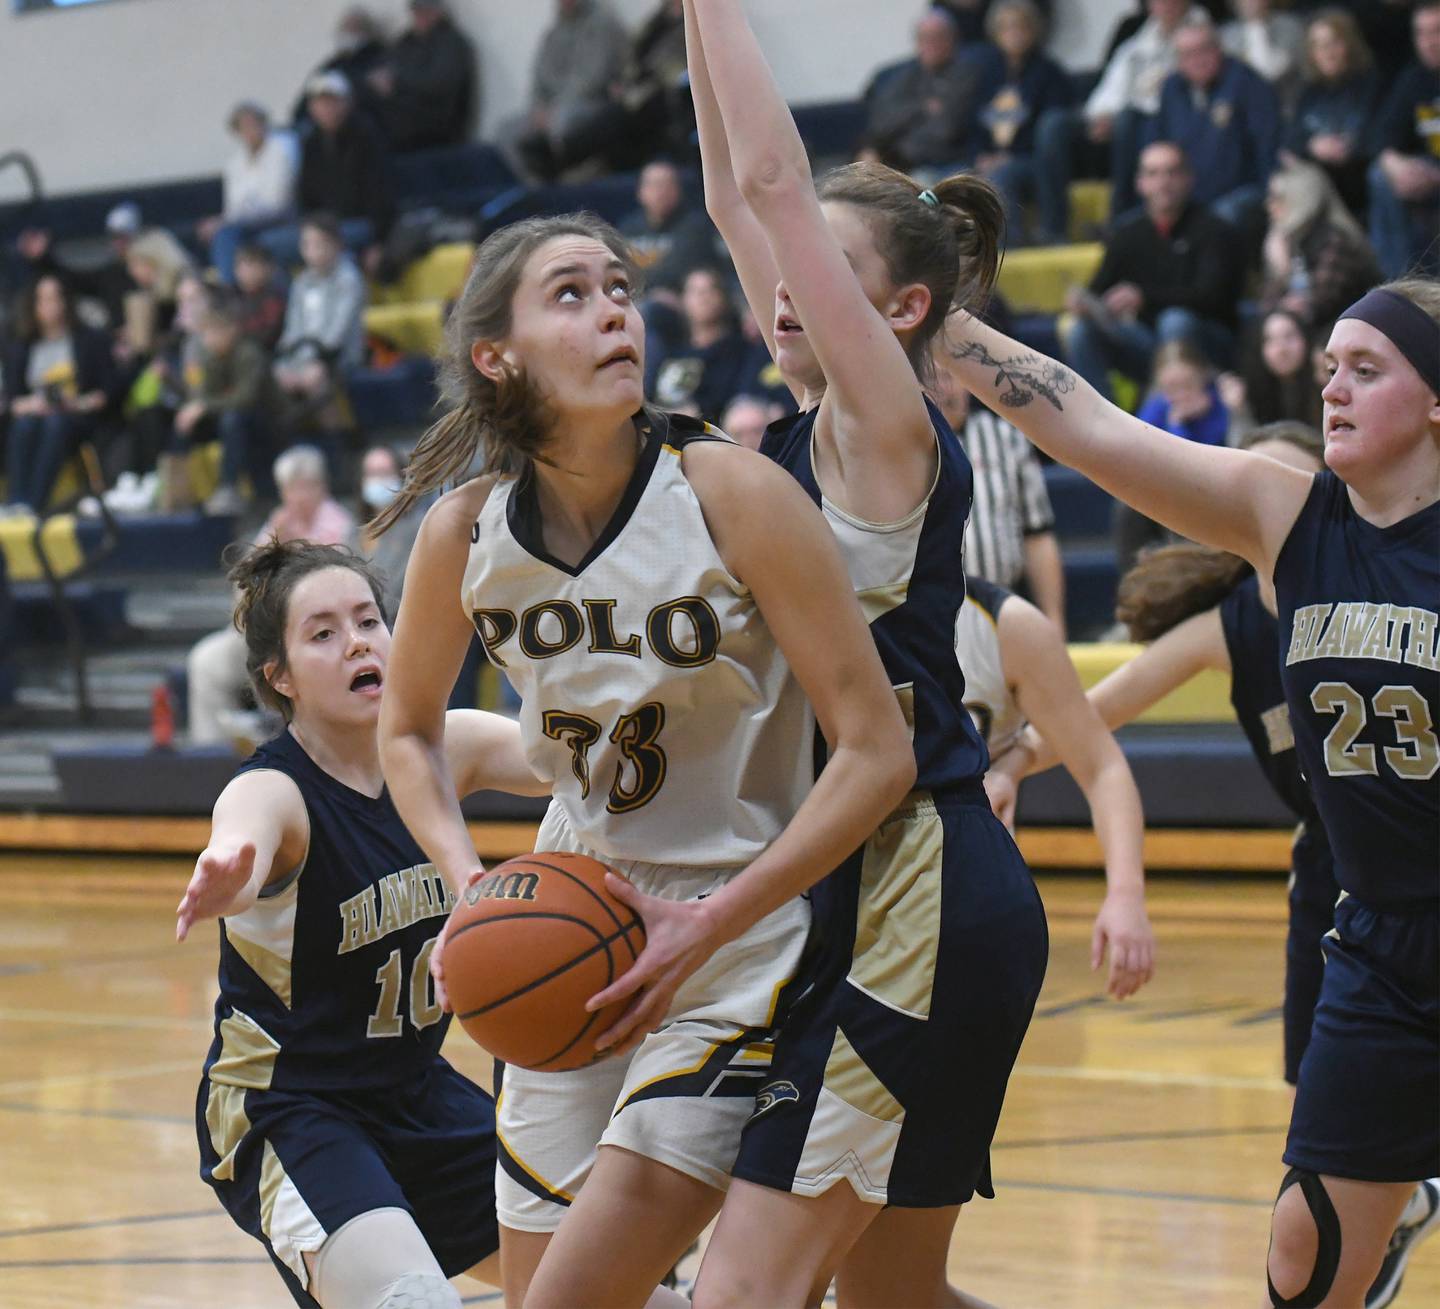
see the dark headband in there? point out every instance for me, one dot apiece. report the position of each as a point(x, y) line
point(1408, 327)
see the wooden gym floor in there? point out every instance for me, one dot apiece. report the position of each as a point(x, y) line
point(1135, 1165)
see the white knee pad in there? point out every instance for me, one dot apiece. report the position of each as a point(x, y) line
point(380, 1261)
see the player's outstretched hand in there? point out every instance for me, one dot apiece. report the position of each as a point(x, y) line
point(679, 937)
point(1123, 925)
point(220, 875)
point(437, 955)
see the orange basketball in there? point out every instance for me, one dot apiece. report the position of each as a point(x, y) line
point(526, 946)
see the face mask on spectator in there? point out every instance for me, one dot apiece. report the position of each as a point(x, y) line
point(377, 492)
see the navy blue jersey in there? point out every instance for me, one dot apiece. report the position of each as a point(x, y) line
point(909, 580)
point(325, 982)
point(1359, 632)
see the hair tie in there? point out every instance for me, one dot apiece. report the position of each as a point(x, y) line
point(930, 198)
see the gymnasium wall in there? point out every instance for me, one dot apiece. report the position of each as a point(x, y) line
point(139, 91)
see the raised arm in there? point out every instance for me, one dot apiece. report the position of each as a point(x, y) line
point(1046, 687)
point(742, 234)
point(258, 832)
point(880, 424)
point(1232, 499)
point(772, 537)
point(432, 634)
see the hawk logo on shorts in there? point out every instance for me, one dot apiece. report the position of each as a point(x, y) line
point(773, 1094)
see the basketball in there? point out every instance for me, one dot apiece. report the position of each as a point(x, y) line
point(526, 947)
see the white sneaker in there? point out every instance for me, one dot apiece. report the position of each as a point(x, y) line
point(1421, 1217)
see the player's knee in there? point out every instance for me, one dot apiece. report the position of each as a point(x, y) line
point(420, 1291)
point(1304, 1243)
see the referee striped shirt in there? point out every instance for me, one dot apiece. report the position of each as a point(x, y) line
point(1011, 501)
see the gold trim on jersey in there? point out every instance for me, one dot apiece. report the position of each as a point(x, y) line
point(877, 601)
point(848, 1077)
point(271, 968)
point(247, 1053)
point(520, 1163)
point(227, 1122)
point(897, 936)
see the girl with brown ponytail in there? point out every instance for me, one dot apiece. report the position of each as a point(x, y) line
point(876, 1123)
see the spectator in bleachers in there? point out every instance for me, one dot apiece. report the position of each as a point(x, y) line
point(580, 59)
point(171, 375)
point(746, 417)
point(1270, 41)
point(653, 92)
point(716, 362)
point(424, 88)
point(342, 171)
point(1018, 83)
point(324, 334)
point(359, 50)
point(1337, 102)
point(106, 282)
point(259, 187)
point(231, 405)
point(215, 666)
point(1316, 258)
point(156, 262)
point(1114, 120)
point(1405, 143)
point(1171, 272)
point(972, 17)
point(1226, 118)
point(1275, 381)
point(1185, 401)
point(382, 472)
point(58, 377)
point(670, 238)
point(1011, 537)
point(259, 300)
point(919, 112)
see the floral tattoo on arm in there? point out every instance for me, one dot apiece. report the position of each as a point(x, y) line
point(1023, 377)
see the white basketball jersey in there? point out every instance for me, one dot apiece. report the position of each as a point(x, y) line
point(977, 647)
point(653, 695)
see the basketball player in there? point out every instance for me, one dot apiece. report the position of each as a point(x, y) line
point(1354, 554)
point(330, 1127)
point(663, 602)
point(1018, 671)
point(1202, 608)
point(889, 1081)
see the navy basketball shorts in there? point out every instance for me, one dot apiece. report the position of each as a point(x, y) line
point(292, 1167)
point(891, 1074)
point(1367, 1105)
point(1312, 914)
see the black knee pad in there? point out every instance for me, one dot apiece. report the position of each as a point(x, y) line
point(1327, 1252)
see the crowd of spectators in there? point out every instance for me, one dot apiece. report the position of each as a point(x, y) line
point(1266, 163)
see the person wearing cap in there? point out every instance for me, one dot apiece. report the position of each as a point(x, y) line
point(359, 50)
point(342, 172)
point(424, 91)
point(259, 187)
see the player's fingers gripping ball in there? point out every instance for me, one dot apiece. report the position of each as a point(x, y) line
point(526, 946)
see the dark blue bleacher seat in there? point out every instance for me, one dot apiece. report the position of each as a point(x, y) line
point(1082, 510)
point(402, 396)
point(176, 205)
point(455, 177)
point(831, 129)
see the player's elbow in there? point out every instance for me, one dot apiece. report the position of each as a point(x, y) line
point(894, 765)
point(773, 179)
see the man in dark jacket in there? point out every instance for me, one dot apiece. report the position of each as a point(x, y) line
point(1171, 272)
point(1226, 118)
point(1405, 143)
point(342, 172)
point(425, 89)
point(919, 112)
